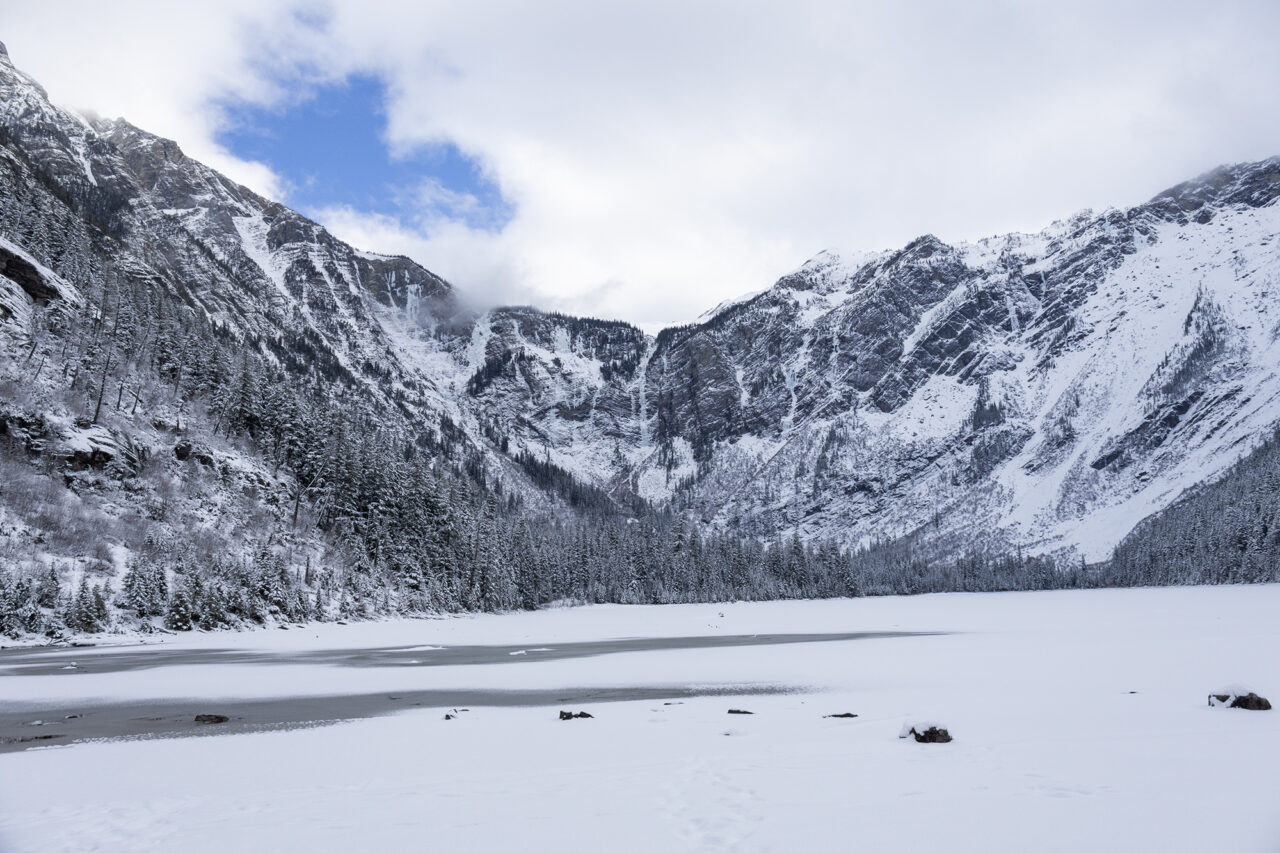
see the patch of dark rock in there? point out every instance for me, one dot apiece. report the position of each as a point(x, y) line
point(24, 274)
point(739, 711)
point(845, 716)
point(1245, 701)
point(1106, 459)
point(185, 450)
point(932, 734)
point(80, 460)
point(581, 412)
point(210, 719)
point(580, 715)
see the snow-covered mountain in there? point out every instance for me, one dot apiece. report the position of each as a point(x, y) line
point(1051, 388)
point(1043, 390)
point(259, 269)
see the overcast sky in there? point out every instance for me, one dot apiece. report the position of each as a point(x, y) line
point(645, 161)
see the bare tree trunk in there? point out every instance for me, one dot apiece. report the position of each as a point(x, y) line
point(102, 386)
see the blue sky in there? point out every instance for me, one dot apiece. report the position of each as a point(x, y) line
point(329, 147)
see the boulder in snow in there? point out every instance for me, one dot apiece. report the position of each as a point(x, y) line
point(925, 732)
point(1238, 698)
point(209, 719)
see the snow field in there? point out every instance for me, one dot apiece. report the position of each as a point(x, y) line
point(1052, 750)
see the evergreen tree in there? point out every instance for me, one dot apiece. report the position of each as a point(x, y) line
point(47, 591)
point(178, 615)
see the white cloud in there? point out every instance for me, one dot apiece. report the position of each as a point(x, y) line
point(460, 254)
point(663, 156)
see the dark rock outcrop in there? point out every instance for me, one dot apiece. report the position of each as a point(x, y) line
point(25, 275)
point(211, 719)
point(926, 733)
point(1246, 701)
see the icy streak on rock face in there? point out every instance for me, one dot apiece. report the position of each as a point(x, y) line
point(642, 383)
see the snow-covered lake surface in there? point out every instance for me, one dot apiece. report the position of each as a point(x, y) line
point(1080, 721)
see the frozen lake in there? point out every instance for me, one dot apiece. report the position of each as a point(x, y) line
point(1079, 720)
point(44, 722)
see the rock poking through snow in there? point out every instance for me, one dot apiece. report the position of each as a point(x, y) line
point(925, 732)
point(1247, 700)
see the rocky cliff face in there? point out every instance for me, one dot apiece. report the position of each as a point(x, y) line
point(1054, 387)
point(92, 199)
point(1037, 390)
point(1042, 390)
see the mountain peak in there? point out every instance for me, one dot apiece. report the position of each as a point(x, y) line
point(1255, 184)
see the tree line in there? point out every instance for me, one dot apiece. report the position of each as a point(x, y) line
point(366, 512)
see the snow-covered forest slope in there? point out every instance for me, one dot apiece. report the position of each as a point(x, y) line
point(212, 409)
